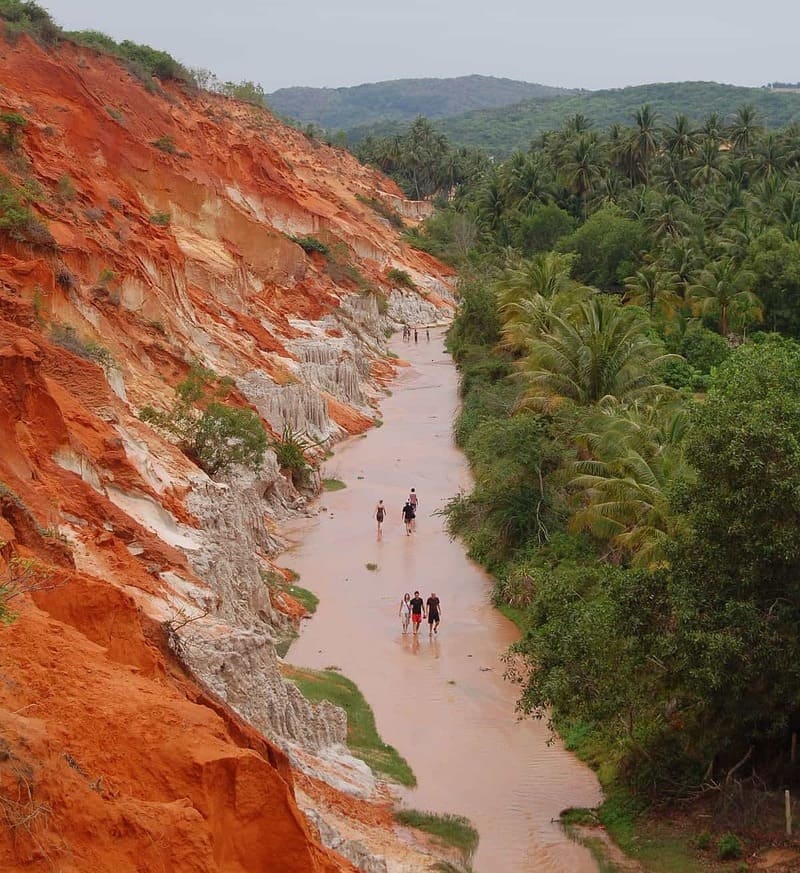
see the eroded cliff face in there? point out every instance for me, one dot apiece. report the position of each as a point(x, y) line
point(144, 723)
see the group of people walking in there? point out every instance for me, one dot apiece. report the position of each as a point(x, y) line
point(408, 332)
point(414, 609)
point(408, 513)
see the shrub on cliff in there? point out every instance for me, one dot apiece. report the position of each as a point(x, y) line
point(215, 437)
point(17, 219)
point(290, 450)
point(142, 60)
point(311, 244)
point(14, 125)
point(401, 278)
point(24, 16)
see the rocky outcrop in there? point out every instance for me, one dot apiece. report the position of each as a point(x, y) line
point(142, 702)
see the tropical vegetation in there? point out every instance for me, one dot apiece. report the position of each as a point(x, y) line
point(627, 339)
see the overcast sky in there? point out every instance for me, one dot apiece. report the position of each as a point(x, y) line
point(574, 43)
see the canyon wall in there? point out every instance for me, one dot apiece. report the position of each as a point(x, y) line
point(144, 721)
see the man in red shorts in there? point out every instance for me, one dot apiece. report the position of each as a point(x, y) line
point(417, 611)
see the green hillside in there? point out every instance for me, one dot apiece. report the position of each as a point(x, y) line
point(500, 131)
point(403, 99)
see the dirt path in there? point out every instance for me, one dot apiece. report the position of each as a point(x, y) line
point(442, 702)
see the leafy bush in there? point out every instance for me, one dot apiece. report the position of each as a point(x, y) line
point(729, 847)
point(216, 437)
point(311, 244)
point(17, 218)
point(165, 143)
point(67, 337)
point(24, 16)
point(704, 349)
point(249, 92)
point(14, 125)
point(401, 277)
point(290, 450)
point(65, 189)
point(161, 219)
point(142, 60)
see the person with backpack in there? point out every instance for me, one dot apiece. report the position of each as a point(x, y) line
point(408, 517)
point(414, 501)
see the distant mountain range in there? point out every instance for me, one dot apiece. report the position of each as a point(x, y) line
point(500, 131)
point(403, 100)
point(501, 115)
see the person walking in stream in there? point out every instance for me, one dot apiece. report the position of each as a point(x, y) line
point(434, 614)
point(417, 611)
point(380, 515)
point(405, 611)
point(408, 517)
point(414, 501)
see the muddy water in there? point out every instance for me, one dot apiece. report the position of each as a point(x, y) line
point(442, 702)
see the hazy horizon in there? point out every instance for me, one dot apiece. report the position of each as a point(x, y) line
point(357, 43)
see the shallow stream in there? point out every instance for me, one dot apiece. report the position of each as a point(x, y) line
point(442, 700)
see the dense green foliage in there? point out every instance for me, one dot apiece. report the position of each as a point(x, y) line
point(644, 536)
point(212, 433)
point(503, 130)
point(142, 60)
point(401, 99)
point(421, 160)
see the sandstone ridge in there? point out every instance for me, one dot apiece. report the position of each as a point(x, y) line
point(144, 722)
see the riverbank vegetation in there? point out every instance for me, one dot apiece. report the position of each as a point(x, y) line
point(630, 305)
point(450, 830)
point(363, 739)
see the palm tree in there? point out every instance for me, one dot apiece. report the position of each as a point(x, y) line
point(525, 181)
point(745, 129)
point(655, 290)
point(582, 168)
point(530, 291)
point(713, 127)
point(707, 163)
point(636, 454)
point(646, 133)
point(722, 289)
point(680, 139)
point(602, 350)
point(664, 218)
point(770, 158)
point(576, 124)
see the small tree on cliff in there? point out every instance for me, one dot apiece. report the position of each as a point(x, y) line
point(21, 576)
point(215, 436)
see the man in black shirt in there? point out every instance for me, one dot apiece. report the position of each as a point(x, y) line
point(434, 613)
point(408, 517)
point(417, 611)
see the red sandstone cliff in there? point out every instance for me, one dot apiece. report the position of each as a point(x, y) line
point(113, 755)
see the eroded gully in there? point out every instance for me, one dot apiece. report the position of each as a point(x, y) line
point(442, 702)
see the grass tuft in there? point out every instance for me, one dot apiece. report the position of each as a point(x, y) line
point(333, 484)
point(453, 830)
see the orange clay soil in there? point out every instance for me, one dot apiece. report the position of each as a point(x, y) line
point(110, 757)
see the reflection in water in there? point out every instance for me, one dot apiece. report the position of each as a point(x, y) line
point(477, 759)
